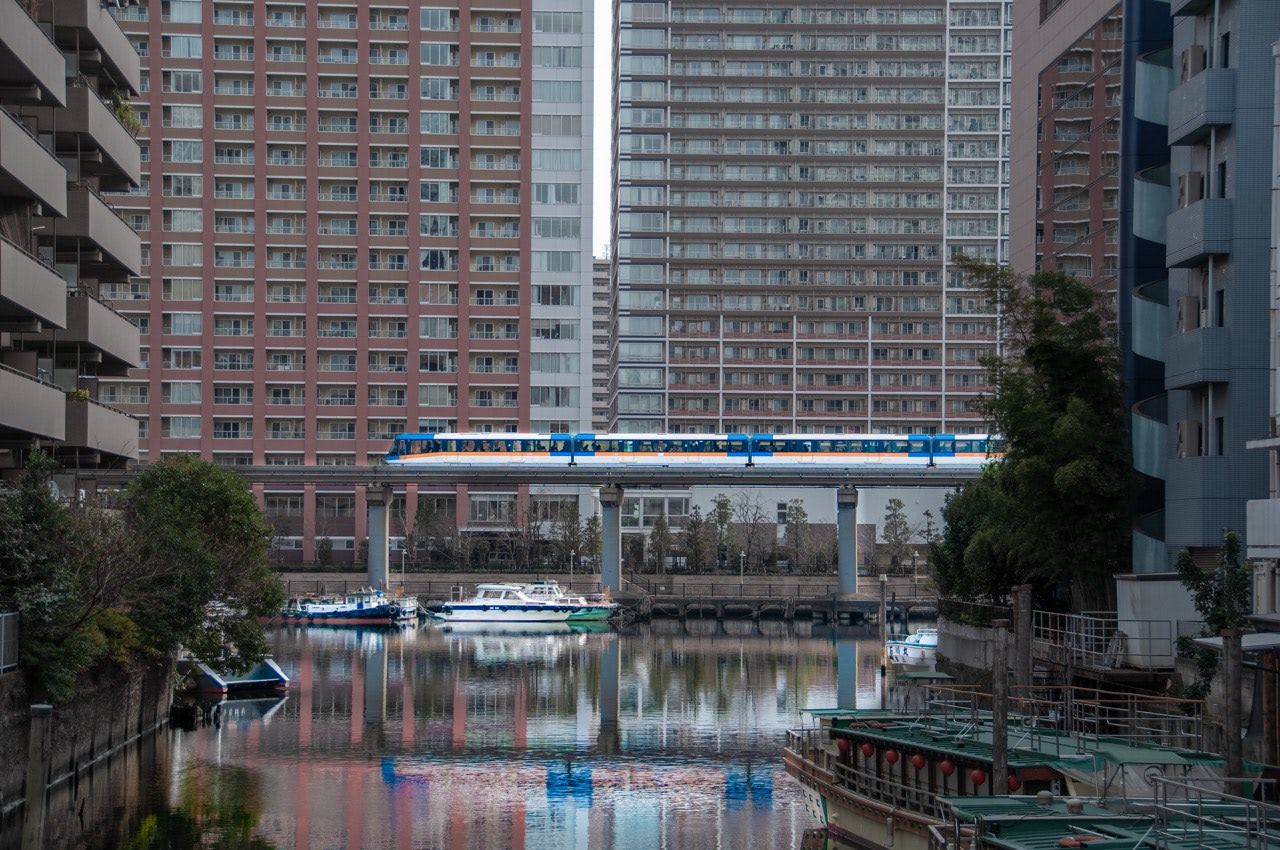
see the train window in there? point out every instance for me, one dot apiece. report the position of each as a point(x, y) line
point(918, 445)
point(737, 445)
point(963, 446)
point(559, 445)
point(944, 446)
point(897, 446)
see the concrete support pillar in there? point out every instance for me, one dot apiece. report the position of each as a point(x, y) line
point(847, 537)
point(1232, 669)
point(1000, 708)
point(1023, 617)
point(39, 754)
point(378, 501)
point(611, 537)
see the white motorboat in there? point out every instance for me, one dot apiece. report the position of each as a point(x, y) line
point(586, 609)
point(505, 603)
point(918, 648)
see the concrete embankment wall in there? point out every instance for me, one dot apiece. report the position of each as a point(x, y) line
point(113, 705)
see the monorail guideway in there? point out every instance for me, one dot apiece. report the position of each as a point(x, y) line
point(617, 462)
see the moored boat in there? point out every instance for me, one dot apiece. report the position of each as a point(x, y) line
point(361, 608)
point(586, 608)
point(875, 777)
point(504, 603)
point(918, 648)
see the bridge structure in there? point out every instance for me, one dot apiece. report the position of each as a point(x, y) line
point(379, 482)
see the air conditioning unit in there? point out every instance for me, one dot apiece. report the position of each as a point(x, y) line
point(1190, 189)
point(1188, 313)
point(1188, 438)
point(1192, 61)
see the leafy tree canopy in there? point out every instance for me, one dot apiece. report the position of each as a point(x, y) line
point(1055, 509)
point(93, 585)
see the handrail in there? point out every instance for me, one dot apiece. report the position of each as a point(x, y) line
point(4, 367)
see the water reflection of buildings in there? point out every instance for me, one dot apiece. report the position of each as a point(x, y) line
point(591, 740)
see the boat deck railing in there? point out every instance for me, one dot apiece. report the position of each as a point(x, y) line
point(1204, 813)
point(810, 745)
point(1065, 720)
point(887, 791)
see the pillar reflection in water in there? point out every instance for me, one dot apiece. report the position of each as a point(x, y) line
point(609, 740)
point(846, 671)
point(375, 679)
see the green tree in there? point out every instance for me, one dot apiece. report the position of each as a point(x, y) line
point(592, 540)
point(797, 533)
point(695, 539)
point(897, 533)
point(1060, 511)
point(93, 585)
point(722, 522)
point(1222, 598)
point(205, 540)
point(660, 542)
point(566, 531)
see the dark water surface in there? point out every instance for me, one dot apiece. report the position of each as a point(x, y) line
point(666, 736)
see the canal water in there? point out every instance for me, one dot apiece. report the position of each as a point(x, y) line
point(669, 735)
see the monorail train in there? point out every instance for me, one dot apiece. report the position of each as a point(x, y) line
point(829, 451)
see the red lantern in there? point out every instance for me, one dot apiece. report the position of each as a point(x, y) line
point(918, 761)
point(1014, 783)
point(891, 756)
point(947, 766)
point(868, 750)
point(843, 744)
point(979, 776)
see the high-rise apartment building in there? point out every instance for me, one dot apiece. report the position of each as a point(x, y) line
point(791, 181)
point(66, 72)
point(361, 220)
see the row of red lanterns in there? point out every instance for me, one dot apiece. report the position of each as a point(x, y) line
point(918, 761)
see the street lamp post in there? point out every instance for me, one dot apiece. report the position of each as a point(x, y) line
point(742, 569)
point(572, 554)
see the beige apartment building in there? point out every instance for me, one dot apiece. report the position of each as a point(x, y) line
point(791, 181)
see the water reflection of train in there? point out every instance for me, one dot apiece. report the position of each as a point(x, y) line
point(732, 451)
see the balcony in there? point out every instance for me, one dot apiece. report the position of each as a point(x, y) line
point(32, 408)
point(90, 323)
point(30, 63)
point(1197, 231)
point(90, 118)
point(86, 26)
point(27, 170)
point(101, 429)
point(1197, 357)
point(29, 289)
point(94, 234)
point(1203, 102)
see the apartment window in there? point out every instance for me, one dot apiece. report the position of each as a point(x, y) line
point(557, 228)
point(557, 125)
point(180, 427)
point(557, 22)
point(439, 54)
point(558, 159)
point(182, 288)
point(556, 261)
point(439, 20)
point(557, 57)
point(181, 392)
point(557, 91)
point(183, 81)
point(555, 295)
point(556, 193)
